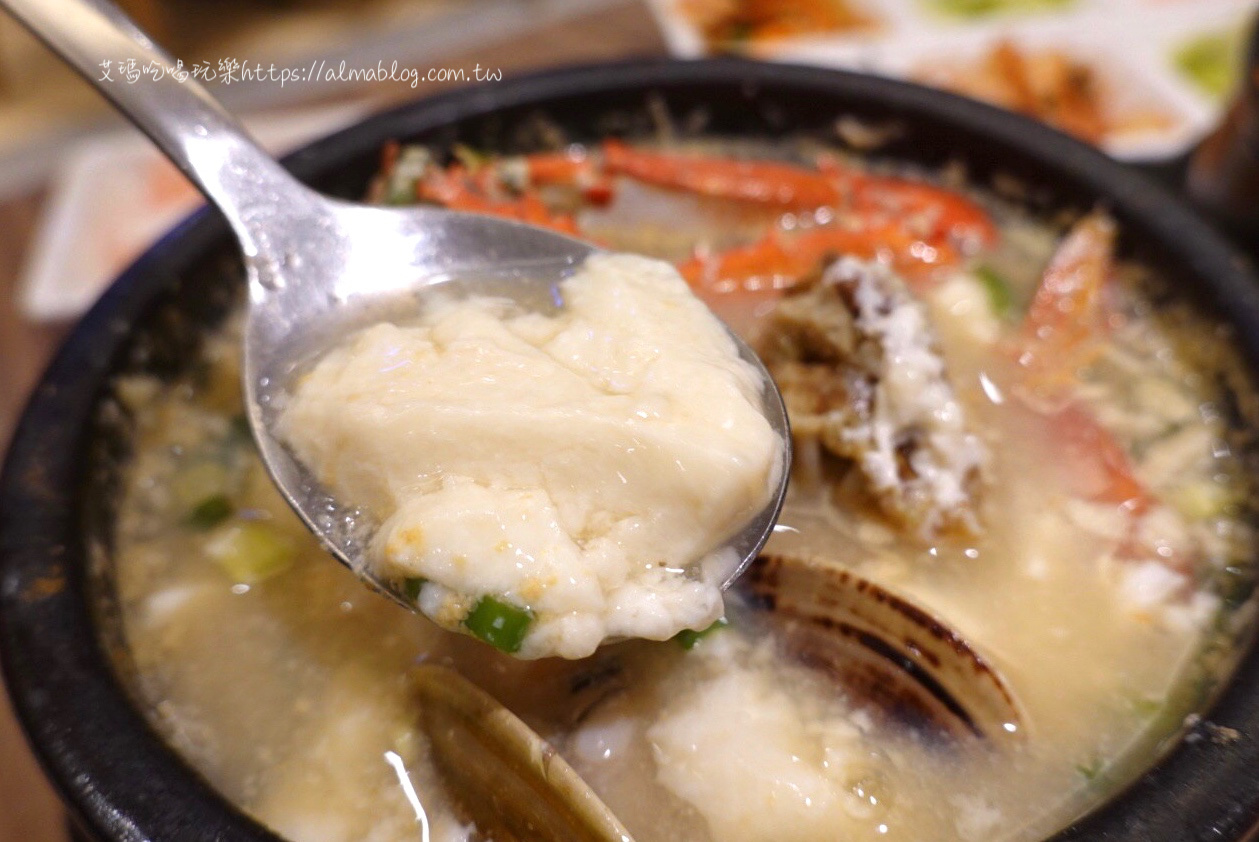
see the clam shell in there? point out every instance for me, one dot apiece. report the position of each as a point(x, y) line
point(883, 649)
point(500, 772)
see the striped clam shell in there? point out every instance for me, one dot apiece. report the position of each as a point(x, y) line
point(883, 649)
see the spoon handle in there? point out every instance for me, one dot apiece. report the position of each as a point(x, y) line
point(168, 104)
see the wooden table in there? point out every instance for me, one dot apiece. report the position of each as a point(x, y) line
point(28, 809)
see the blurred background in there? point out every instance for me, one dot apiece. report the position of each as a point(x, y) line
point(81, 193)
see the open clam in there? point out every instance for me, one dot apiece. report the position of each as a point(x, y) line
point(503, 775)
point(883, 649)
point(890, 655)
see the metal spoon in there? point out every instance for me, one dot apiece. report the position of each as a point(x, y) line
point(318, 267)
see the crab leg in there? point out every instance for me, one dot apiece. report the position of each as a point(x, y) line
point(945, 215)
point(765, 264)
point(1059, 335)
point(457, 189)
point(572, 167)
point(1104, 473)
point(767, 182)
point(1066, 317)
point(778, 261)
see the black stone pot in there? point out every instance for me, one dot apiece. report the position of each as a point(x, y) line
point(64, 659)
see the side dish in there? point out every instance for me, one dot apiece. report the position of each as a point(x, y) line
point(1067, 92)
point(735, 24)
point(1017, 530)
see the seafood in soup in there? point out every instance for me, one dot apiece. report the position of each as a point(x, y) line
point(1017, 531)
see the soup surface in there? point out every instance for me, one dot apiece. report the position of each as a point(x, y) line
point(993, 421)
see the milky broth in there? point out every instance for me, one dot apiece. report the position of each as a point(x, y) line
point(287, 684)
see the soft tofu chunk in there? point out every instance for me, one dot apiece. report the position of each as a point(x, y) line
point(577, 466)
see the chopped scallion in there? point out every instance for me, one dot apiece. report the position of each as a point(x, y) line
point(197, 481)
point(687, 638)
point(412, 163)
point(1000, 296)
point(1145, 706)
point(411, 587)
point(251, 551)
point(1092, 770)
point(1202, 499)
point(498, 623)
point(469, 157)
point(239, 430)
point(210, 512)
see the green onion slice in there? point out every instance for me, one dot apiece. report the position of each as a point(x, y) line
point(210, 512)
point(412, 586)
point(1000, 295)
point(687, 638)
point(252, 551)
point(498, 623)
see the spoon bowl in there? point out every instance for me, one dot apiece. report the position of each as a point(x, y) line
point(320, 268)
point(379, 264)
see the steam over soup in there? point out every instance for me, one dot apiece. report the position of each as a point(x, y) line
point(1009, 463)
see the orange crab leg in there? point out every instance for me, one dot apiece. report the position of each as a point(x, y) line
point(455, 189)
point(557, 167)
point(949, 214)
point(1066, 317)
point(444, 187)
point(779, 261)
point(888, 240)
point(1103, 471)
point(767, 263)
point(569, 168)
point(907, 252)
point(765, 182)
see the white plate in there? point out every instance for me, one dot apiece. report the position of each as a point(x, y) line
point(112, 196)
